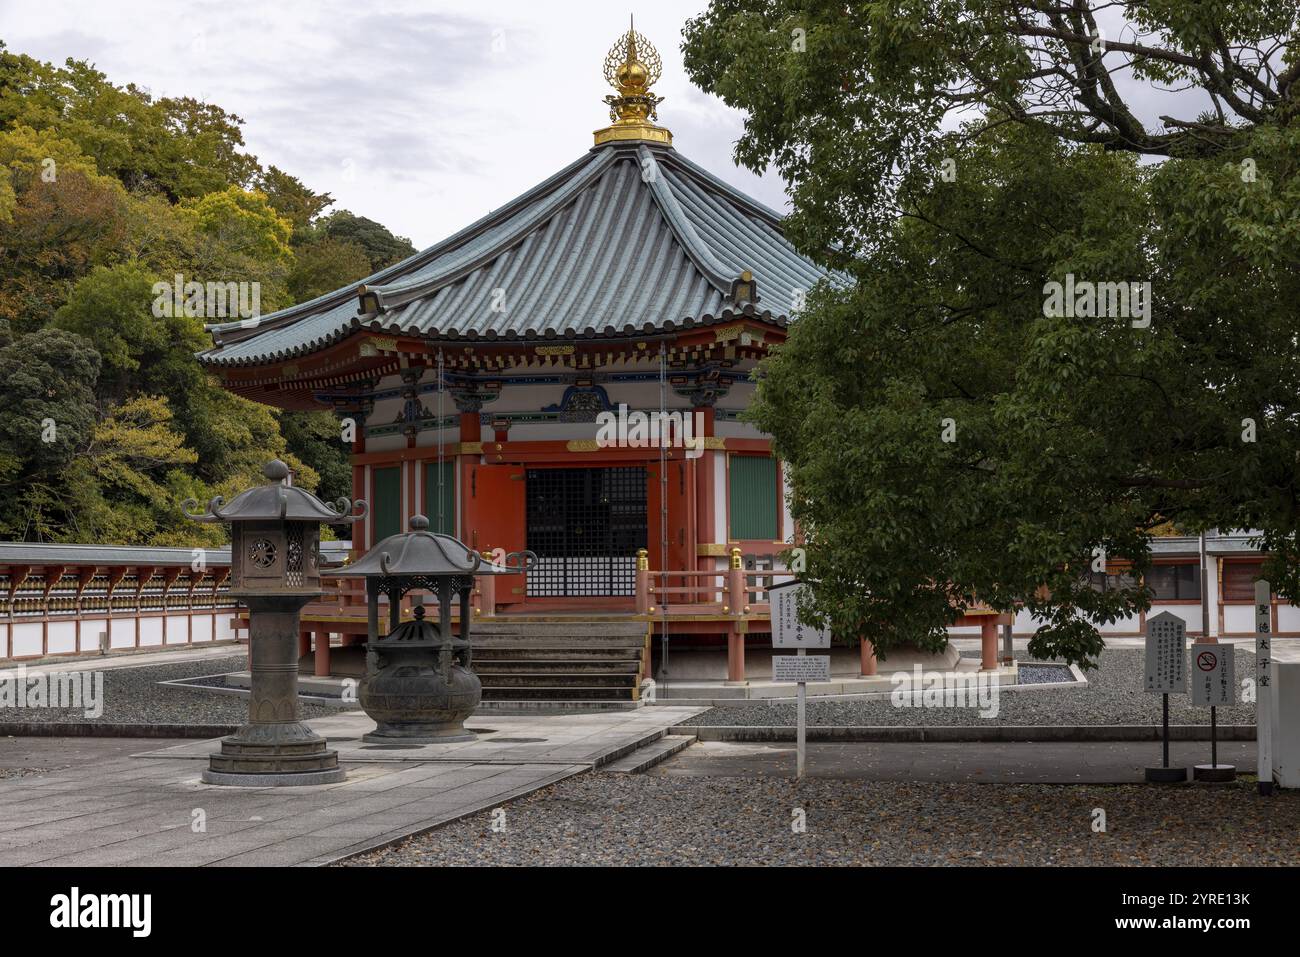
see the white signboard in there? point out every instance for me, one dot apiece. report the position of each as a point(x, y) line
point(1213, 681)
point(801, 668)
point(1166, 654)
point(787, 630)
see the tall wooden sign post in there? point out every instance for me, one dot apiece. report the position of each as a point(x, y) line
point(1264, 684)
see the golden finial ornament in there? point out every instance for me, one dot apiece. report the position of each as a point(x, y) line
point(632, 66)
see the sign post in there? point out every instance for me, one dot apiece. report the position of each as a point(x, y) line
point(789, 631)
point(1166, 673)
point(1213, 684)
point(1264, 684)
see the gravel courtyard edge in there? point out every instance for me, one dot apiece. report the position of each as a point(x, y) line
point(959, 733)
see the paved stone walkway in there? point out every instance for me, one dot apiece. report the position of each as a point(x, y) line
point(146, 809)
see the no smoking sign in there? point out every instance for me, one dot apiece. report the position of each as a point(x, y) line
point(1212, 682)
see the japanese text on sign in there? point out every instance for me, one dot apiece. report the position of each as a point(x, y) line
point(787, 630)
point(1213, 675)
point(1166, 654)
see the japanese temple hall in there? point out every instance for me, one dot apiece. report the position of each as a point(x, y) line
point(477, 371)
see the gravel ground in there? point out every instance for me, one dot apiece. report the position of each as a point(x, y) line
point(133, 696)
point(602, 819)
point(1043, 674)
point(24, 772)
point(1114, 695)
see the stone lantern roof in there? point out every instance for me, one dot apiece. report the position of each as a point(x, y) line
point(422, 553)
point(275, 501)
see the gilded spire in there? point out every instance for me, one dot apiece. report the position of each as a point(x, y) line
point(632, 66)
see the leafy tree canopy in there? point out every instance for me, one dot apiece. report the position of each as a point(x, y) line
point(951, 437)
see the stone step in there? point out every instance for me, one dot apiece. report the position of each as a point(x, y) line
point(525, 642)
point(498, 651)
point(648, 755)
point(556, 692)
point(551, 679)
point(565, 665)
point(574, 706)
point(580, 628)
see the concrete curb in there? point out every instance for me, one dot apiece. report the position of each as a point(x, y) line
point(107, 729)
point(961, 733)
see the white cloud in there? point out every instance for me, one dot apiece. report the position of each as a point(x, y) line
point(421, 115)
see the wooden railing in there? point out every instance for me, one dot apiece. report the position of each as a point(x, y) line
point(346, 597)
point(733, 591)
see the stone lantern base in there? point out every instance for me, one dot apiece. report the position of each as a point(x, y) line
point(274, 748)
point(274, 755)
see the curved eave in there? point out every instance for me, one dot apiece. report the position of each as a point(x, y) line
point(369, 325)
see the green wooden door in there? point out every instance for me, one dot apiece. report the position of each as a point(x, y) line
point(754, 498)
point(386, 504)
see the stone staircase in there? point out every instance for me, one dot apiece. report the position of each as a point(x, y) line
point(540, 664)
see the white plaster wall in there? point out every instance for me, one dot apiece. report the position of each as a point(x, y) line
point(90, 630)
point(721, 529)
point(121, 633)
point(428, 439)
point(385, 443)
point(1212, 595)
point(62, 638)
point(1191, 614)
point(150, 631)
point(787, 520)
point(1288, 618)
point(224, 630)
point(177, 629)
point(202, 628)
point(1239, 619)
point(26, 639)
point(737, 430)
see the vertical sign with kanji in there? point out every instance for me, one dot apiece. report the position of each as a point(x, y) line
point(1166, 654)
point(1263, 683)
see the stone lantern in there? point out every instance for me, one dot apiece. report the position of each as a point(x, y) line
point(275, 571)
point(418, 686)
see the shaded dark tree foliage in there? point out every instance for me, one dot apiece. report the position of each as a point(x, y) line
point(949, 440)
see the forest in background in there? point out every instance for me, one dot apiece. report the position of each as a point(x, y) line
point(107, 421)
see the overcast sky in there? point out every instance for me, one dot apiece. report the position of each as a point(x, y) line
point(421, 114)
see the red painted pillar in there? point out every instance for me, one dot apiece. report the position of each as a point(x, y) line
point(322, 654)
point(704, 511)
point(735, 653)
point(868, 653)
point(304, 643)
point(989, 642)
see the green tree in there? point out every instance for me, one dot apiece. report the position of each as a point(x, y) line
point(947, 439)
point(49, 414)
point(381, 246)
point(322, 266)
